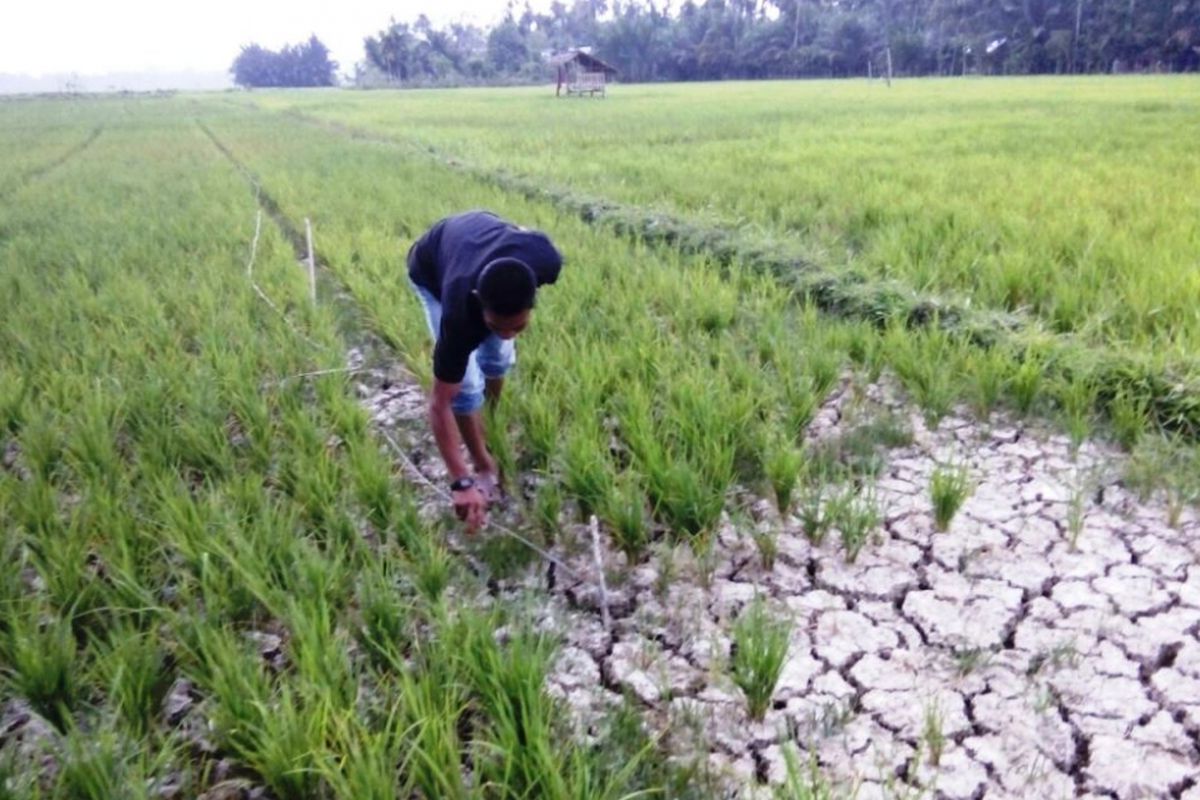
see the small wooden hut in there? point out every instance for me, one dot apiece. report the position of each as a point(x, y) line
point(580, 73)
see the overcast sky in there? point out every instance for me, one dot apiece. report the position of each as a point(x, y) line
point(99, 36)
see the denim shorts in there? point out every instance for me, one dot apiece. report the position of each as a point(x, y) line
point(492, 359)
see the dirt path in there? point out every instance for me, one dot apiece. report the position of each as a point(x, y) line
point(1047, 645)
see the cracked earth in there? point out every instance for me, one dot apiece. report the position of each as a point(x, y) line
point(1047, 645)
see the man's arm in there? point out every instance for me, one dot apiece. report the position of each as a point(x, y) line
point(469, 504)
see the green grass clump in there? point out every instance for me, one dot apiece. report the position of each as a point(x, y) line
point(948, 488)
point(760, 645)
point(783, 465)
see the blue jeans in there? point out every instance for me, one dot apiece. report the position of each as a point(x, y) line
point(492, 359)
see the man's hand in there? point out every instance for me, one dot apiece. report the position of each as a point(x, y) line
point(471, 507)
point(488, 484)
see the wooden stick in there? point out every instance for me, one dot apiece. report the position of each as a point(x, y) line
point(254, 246)
point(312, 264)
point(594, 525)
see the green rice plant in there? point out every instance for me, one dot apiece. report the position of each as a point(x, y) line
point(804, 781)
point(924, 361)
point(588, 474)
point(767, 543)
point(760, 645)
point(132, 666)
point(800, 403)
point(547, 508)
point(371, 756)
point(508, 683)
point(988, 372)
point(684, 500)
point(1129, 416)
point(823, 367)
point(540, 426)
point(855, 514)
point(432, 710)
point(99, 765)
point(386, 617)
point(318, 650)
point(1025, 383)
point(933, 735)
point(1076, 515)
point(784, 464)
point(948, 488)
point(13, 394)
point(1077, 397)
point(371, 475)
point(42, 664)
point(91, 444)
point(625, 514)
point(813, 516)
point(278, 733)
point(434, 567)
point(42, 445)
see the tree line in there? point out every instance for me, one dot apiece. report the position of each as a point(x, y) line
point(305, 64)
point(747, 39)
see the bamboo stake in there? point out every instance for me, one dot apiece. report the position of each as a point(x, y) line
point(594, 526)
point(312, 264)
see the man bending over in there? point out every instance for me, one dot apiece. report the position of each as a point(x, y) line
point(477, 276)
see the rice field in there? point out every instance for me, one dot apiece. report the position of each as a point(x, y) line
point(219, 575)
point(1072, 199)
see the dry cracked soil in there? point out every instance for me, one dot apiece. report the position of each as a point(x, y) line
point(1046, 645)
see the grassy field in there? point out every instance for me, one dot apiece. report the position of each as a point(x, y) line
point(173, 497)
point(1073, 199)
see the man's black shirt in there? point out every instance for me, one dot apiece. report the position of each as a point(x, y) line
point(447, 261)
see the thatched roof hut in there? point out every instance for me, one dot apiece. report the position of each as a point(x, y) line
point(580, 73)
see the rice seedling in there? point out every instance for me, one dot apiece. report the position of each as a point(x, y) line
point(385, 626)
point(855, 515)
point(1077, 399)
point(626, 515)
point(1129, 417)
point(767, 543)
point(933, 735)
point(547, 508)
point(42, 664)
point(783, 465)
point(804, 780)
point(813, 515)
point(132, 666)
point(588, 475)
point(760, 644)
point(1025, 383)
point(949, 487)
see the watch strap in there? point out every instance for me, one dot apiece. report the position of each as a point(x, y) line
point(462, 484)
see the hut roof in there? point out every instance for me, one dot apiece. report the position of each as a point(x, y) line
point(586, 60)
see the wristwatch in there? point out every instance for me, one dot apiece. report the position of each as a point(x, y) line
point(462, 484)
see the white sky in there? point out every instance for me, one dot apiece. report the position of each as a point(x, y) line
point(61, 36)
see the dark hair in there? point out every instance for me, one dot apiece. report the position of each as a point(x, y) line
point(506, 286)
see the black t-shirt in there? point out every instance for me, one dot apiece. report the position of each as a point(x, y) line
point(447, 261)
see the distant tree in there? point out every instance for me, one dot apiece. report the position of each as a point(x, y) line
point(507, 47)
point(650, 40)
point(306, 64)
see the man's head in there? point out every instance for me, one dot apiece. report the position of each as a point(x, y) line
point(507, 290)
